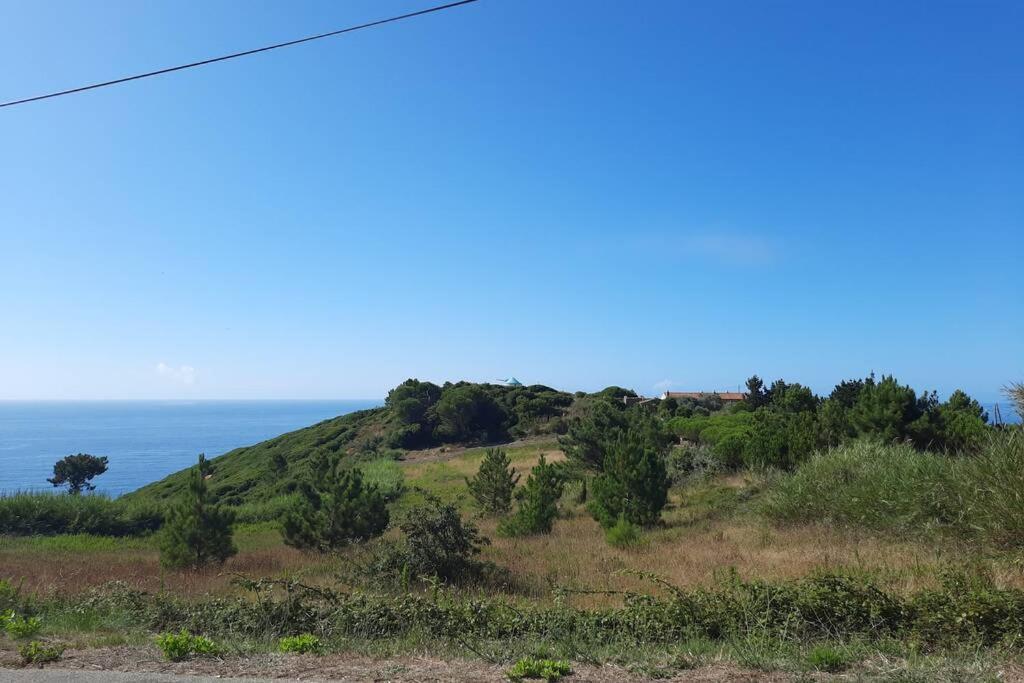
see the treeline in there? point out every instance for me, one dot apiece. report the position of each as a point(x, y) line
point(782, 425)
point(426, 414)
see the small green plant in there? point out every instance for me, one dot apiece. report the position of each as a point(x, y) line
point(304, 644)
point(624, 534)
point(21, 627)
point(826, 658)
point(548, 669)
point(183, 645)
point(39, 653)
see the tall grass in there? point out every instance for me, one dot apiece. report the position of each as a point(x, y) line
point(894, 487)
point(30, 513)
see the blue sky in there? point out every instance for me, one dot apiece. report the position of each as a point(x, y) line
point(577, 193)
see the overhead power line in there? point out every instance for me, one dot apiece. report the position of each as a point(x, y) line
point(236, 55)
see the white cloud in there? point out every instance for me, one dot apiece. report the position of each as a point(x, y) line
point(183, 374)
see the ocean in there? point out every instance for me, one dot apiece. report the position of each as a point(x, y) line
point(143, 440)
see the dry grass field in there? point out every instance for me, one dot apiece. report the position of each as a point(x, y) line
point(710, 529)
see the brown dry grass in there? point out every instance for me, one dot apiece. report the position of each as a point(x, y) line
point(707, 531)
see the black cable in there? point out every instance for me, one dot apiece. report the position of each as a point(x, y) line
point(421, 12)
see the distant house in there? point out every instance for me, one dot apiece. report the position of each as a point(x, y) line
point(725, 396)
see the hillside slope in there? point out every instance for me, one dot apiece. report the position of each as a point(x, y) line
point(271, 468)
point(416, 415)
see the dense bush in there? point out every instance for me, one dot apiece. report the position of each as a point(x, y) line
point(895, 487)
point(198, 531)
point(538, 501)
point(438, 543)
point(961, 612)
point(633, 483)
point(494, 483)
point(26, 514)
point(333, 509)
point(782, 426)
point(426, 414)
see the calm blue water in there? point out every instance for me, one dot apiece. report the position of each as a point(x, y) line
point(144, 440)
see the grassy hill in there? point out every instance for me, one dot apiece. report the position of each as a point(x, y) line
point(258, 479)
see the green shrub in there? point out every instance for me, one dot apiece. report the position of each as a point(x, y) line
point(538, 501)
point(45, 514)
point(20, 626)
point(494, 483)
point(39, 653)
point(686, 463)
point(894, 487)
point(546, 669)
point(438, 544)
point(633, 483)
point(183, 645)
point(828, 659)
point(335, 508)
point(623, 535)
point(303, 644)
point(198, 531)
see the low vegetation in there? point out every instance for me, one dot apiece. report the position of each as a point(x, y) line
point(31, 514)
point(788, 532)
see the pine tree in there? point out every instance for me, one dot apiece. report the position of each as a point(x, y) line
point(336, 508)
point(633, 483)
point(494, 483)
point(538, 501)
point(197, 532)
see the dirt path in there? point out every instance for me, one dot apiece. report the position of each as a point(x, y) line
point(137, 664)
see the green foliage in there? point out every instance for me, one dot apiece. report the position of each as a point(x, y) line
point(963, 612)
point(598, 422)
point(438, 543)
point(623, 534)
point(302, 644)
point(886, 410)
point(249, 476)
point(827, 658)
point(546, 669)
point(334, 509)
point(76, 471)
point(711, 429)
point(20, 627)
point(894, 487)
point(756, 394)
point(255, 480)
point(494, 483)
point(781, 439)
point(686, 463)
point(538, 501)
point(30, 514)
point(198, 532)
point(39, 653)
point(468, 413)
point(1014, 391)
point(178, 647)
point(633, 483)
